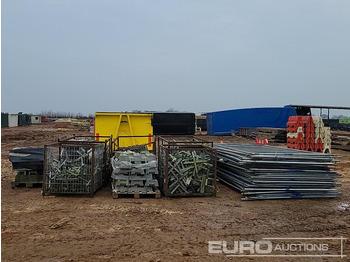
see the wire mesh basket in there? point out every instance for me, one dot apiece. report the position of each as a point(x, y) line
point(187, 167)
point(73, 167)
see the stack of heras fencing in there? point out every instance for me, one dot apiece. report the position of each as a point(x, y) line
point(134, 173)
point(266, 172)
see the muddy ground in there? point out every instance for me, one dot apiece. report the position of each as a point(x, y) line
point(37, 228)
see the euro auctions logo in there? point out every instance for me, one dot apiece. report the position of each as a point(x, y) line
point(280, 247)
point(240, 247)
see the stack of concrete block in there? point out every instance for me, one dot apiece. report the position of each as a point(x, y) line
point(134, 173)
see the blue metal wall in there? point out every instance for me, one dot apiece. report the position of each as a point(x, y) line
point(222, 122)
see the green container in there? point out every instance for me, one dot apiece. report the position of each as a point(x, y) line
point(344, 121)
point(4, 120)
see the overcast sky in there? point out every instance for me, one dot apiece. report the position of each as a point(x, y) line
point(84, 56)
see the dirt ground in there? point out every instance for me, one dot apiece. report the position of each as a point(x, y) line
point(37, 228)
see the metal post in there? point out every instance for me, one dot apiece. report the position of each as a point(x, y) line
point(166, 173)
point(92, 183)
point(44, 171)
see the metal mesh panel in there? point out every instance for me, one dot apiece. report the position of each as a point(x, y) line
point(73, 169)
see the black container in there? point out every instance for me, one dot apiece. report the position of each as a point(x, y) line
point(202, 123)
point(24, 119)
point(173, 123)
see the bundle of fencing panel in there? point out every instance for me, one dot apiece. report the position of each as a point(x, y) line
point(134, 173)
point(266, 172)
point(73, 167)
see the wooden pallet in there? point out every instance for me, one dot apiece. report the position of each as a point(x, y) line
point(136, 194)
point(28, 184)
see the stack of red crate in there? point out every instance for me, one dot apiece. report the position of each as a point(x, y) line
point(306, 133)
point(295, 133)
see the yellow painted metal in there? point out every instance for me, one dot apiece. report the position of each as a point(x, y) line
point(124, 124)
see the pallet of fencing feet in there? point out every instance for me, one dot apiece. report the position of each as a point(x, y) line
point(135, 192)
point(134, 174)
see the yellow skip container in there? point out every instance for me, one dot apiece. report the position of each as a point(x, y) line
point(125, 124)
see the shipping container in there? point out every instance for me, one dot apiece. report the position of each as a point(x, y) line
point(132, 129)
point(173, 123)
point(24, 119)
point(13, 120)
point(4, 120)
point(35, 119)
point(224, 122)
